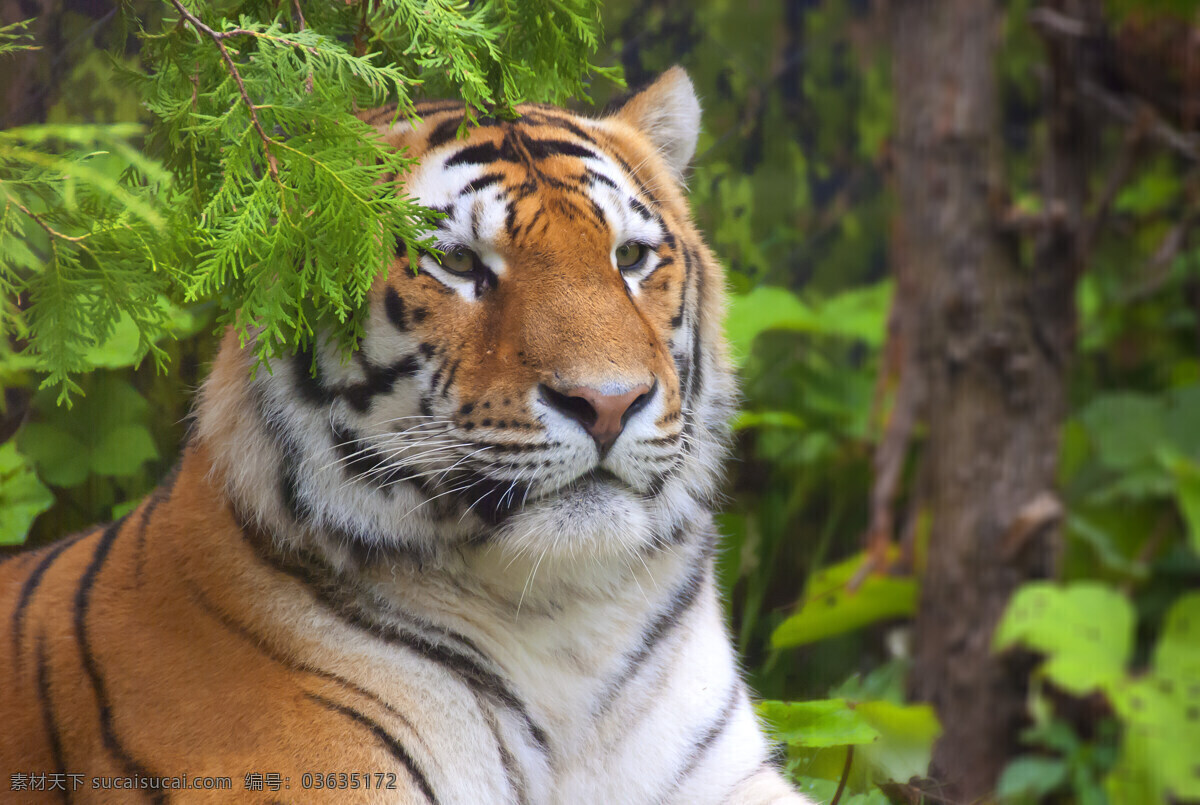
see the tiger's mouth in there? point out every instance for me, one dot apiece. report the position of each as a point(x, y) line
point(597, 476)
point(496, 500)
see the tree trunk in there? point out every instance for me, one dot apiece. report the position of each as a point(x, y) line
point(991, 342)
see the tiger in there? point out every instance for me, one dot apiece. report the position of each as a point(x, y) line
point(471, 563)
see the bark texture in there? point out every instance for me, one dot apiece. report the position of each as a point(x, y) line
point(990, 346)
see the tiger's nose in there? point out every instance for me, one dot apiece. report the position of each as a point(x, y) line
point(603, 416)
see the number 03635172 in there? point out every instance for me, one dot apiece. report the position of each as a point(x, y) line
point(348, 780)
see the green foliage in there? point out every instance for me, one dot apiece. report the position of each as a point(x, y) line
point(892, 742)
point(845, 597)
point(859, 313)
point(84, 237)
point(1085, 630)
point(105, 435)
point(22, 496)
point(264, 192)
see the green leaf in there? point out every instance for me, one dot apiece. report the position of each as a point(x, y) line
point(1126, 428)
point(1162, 730)
point(61, 458)
point(123, 450)
point(1187, 493)
point(907, 734)
point(104, 434)
point(1085, 630)
point(816, 724)
point(1028, 778)
point(22, 496)
point(1177, 655)
point(775, 419)
point(830, 608)
point(860, 313)
point(764, 308)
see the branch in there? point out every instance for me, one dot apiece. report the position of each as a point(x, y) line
point(51, 231)
point(1117, 180)
point(1158, 269)
point(217, 37)
point(1185, 144)
point(1054, 22)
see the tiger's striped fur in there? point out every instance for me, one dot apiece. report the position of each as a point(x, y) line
point(419, 562)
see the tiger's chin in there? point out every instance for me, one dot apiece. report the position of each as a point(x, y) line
point(595, 516)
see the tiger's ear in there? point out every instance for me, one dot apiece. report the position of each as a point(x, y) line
point(668, 114)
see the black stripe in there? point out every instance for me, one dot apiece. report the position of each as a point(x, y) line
point(599, 178)
point(48, 718)
point(662, 262)
point(380, 380)
point(158, 496)
point(393, 306)
point(363, 546)
point(308, 383)
point(394, 747)
point(104, 707)
point(512, 768)
point(30, 587)
point(642, 210)
point(707, 738)
point(480, 154)
point(466, 662)
point(681, 600)
point(450, 378)
point(426, 108)
point(364, 463)
point(443, 132)
point(259, 643)
point(482, 183)
point(557, 121)
point(544, 149)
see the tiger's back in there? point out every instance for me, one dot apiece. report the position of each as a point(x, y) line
point(474, 564)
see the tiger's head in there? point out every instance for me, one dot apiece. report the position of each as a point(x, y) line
point(554, 381)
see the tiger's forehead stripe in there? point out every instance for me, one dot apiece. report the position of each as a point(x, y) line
point(479, 186)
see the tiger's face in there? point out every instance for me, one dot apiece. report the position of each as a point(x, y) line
point(553, 380)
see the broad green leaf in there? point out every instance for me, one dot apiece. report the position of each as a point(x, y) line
point(821, 790)
point(830, 608)
point(1083, 529)
point(816, 724)
point(1151, 191)
point(907, 733)
point(860, 313)
point(123, 450)
point(1126, 428)
point(759, 419)
point(1085, 630)
point(1177, 655)
point(61, 458)
point(1182, 425)
point(105, 433)
point(1028, 778)
point(762, 309)
point(1187, 493)
point(22, 496)
point(1162, 730)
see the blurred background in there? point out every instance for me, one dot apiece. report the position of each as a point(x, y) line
point(965, 303)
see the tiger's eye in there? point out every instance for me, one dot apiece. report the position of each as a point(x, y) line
point(459, 260)
point(630, 255)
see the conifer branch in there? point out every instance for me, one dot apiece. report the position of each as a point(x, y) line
point(51, 231)
point(217, 37)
